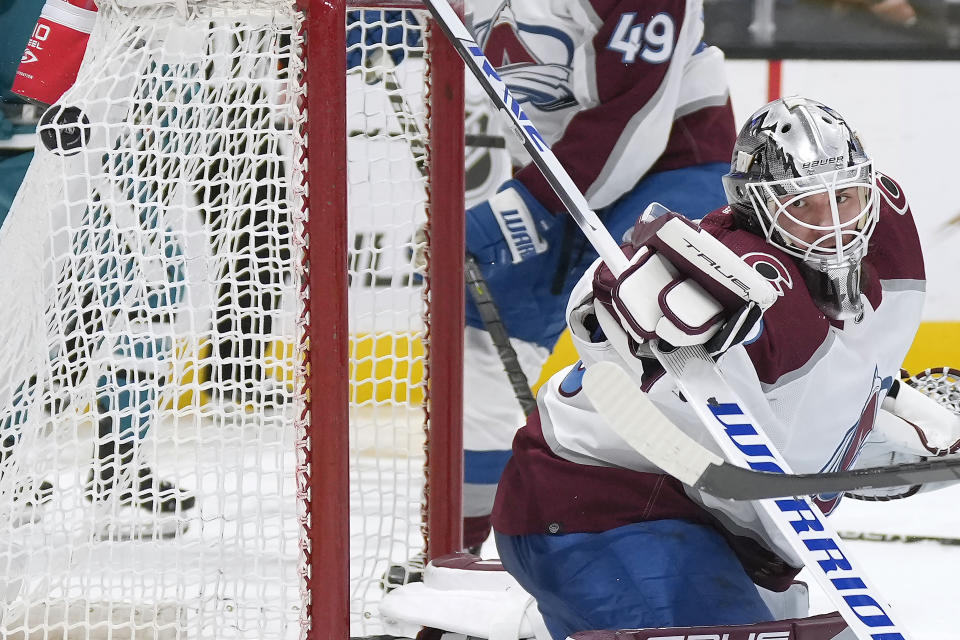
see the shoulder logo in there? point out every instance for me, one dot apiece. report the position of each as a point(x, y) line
point(892, 193)
point(771, 269)
point(534, 60)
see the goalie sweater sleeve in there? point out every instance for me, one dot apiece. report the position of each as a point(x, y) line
point(618, 88)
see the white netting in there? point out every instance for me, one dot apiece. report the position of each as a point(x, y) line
point(151, 388)
point(386, 122)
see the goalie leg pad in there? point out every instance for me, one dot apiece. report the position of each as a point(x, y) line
point(828, 626)
point(463, 594)
point(793, 602)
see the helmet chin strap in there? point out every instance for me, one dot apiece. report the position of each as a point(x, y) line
point(835, 289)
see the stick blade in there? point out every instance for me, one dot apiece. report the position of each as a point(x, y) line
point(634, 417)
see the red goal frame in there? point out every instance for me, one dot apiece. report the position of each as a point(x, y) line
point(323, 480)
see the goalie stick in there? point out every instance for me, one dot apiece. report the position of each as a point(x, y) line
point(641, 424)
point(810, 537)
point(905, 538)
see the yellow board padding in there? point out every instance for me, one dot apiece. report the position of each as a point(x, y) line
point(937, 344)
point(383, 367)
point(386, 367)
point(186, 375)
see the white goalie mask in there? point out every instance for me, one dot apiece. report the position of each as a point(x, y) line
point(800, 178)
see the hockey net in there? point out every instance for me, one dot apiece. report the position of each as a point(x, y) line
point(940, 383)
point(174, 396)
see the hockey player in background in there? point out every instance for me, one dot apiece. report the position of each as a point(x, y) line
point(602, 538)
point(636, 107)
point(127, 389)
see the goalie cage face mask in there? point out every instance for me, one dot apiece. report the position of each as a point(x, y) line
point(800, 178)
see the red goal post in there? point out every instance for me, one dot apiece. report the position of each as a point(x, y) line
point(328, 485)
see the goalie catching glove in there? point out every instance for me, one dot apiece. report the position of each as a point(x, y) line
point(916, 421)
point(913, 422)
point(683, 287)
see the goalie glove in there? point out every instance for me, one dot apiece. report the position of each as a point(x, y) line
point(927, 427)
point(683, 287)
point(918, 424)
point(651, 300)
point(507, 228)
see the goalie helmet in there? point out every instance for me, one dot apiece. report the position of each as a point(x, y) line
point(800, 178)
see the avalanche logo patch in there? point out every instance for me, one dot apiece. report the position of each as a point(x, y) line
point(503, 45)
point(771, 269)
point(534, 60)
point(846, 454)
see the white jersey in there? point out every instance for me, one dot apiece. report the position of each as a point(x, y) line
point(616, 91)
point(814, 385)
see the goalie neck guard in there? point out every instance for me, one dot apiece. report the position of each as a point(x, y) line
point(800, 178)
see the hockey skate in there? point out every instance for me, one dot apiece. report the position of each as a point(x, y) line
point(136, 503)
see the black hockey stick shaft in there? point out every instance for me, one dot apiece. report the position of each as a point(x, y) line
point(485, 141)
point(476, 284)
point(726, 480)
point(490, 315)
point(904, 538)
